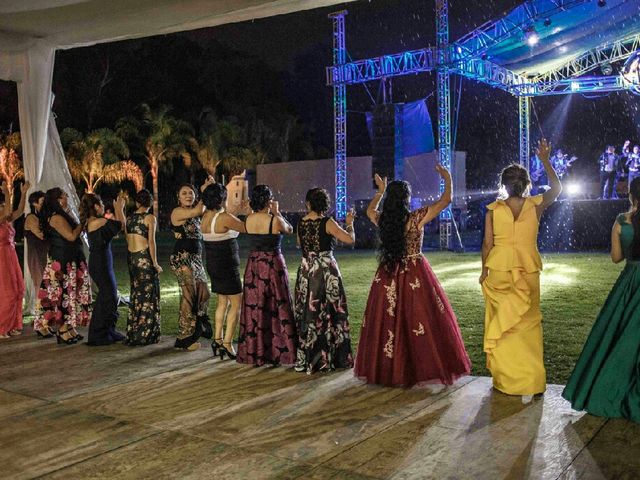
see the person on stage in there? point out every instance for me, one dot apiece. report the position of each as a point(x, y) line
point(64, 298)
point(143, 322)
point(37, 250)
point(220, 231)
point(410, 335)
point(633, 164)
point(321, 313)
point(609, 167)
point(606, 379)
point(11, 281)
point(510, 281)
point(186, 263)
point(100, 232)
point(267, 327)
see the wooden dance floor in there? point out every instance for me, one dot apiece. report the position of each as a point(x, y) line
point(154, 412)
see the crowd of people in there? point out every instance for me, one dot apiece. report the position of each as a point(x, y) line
point(410, 334)
point(615, 167)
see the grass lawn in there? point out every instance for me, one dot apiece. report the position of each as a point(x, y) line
point(574, 287)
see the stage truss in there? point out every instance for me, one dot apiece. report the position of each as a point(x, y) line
point(466, 57)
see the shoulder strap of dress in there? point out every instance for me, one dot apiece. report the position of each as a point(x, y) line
point(213, 222)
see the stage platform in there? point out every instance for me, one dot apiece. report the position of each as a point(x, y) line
point(154, 413)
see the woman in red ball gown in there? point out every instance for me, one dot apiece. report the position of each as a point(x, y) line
point(11, 281)
point(410, 334)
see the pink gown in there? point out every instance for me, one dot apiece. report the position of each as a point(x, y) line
point(11, 282)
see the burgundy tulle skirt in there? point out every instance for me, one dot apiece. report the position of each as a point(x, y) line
point(410, 334)
point(267, 327)
point(11, 282)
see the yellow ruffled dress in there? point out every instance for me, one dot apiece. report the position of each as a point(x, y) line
point(513, 322)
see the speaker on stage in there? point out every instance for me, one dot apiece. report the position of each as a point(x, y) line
point(386, 142)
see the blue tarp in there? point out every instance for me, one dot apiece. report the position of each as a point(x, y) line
point(417, 131)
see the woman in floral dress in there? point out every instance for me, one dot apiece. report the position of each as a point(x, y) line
point(143, 324)
point(322, 317)
point(64, 299)
point(410, 334)
point(267, 327)
point(186, 263)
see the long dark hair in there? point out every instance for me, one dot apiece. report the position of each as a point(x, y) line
point(392, 222)
point(88, 206)
point(52, 207)
point(634, 193)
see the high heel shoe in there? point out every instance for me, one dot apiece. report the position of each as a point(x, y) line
point(69, 341)
point(224, 351)
point(41, 335)
point(74, 334)
point(215, 346)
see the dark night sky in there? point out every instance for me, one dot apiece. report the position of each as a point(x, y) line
point(487, 128)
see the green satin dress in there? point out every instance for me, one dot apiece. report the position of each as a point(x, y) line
point(606, 378)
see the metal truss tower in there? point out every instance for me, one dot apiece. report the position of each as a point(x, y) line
point(524, 104)
point(444, 111)
point(340, 115)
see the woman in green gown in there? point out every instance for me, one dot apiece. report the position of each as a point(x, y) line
point(606, 379)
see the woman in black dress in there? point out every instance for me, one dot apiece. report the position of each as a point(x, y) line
point(322, 317)
point(186, 263)
point(64, 299)
point(100, 230)
point(143, 325)
point(219, 231)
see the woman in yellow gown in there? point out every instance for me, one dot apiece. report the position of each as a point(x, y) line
point(510, 281)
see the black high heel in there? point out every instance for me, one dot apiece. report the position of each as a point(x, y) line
point(215, 346)
point(224, 351)
point(68, 341)
point(41, 335)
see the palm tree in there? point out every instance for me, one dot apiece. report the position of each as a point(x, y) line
point(95, 158)
point(163, 138)
point(10, 161)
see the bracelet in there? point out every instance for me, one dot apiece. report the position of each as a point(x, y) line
point(349, 227)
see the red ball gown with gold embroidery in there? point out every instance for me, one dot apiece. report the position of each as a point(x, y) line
point(410, 334)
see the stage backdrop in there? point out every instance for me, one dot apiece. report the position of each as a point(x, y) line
point(291, 180)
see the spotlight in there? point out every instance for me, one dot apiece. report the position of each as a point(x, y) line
point(574, 189)
point(547, 22)
point(606, 69)
point(602, 3)
point(531, 37)
point(575, 86)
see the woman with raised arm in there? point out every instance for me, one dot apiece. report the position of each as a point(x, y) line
point(143, 322)
point(64, 299)
point(186, 263)
point(220, 230)
point(510, 281)
point(410, 334)
point(322, 317)
point(11, 280)
point(267, 327)
point(100, 231)
point(606, 379)
point(37, 249)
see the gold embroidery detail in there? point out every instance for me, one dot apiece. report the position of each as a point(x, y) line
point(415, 285)
point(391, 298)
point(376, 278)
point(420, 330)
point(388, 347)
point(438, 301)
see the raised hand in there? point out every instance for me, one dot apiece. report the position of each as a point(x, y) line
point(26, 186)
point(351, 216)
point(275, 207)
point(544, 150)
point(381, 183)
point(443, 172)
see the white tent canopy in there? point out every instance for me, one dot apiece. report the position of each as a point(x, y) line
point(31, 31)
